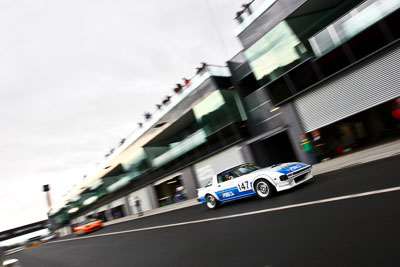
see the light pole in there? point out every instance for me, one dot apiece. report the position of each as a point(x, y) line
point(46, 188)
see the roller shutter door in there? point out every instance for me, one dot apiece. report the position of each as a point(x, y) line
point(366, 85)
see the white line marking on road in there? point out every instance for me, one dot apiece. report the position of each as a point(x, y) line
point(240, 214)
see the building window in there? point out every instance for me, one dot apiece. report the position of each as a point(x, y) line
point(275, 53)
point(219, 109)
point(351, 24)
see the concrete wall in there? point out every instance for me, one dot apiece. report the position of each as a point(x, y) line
point(189, 180)
point(247, 154)
point(153, 196)
point(294, 130)
point(145, 198)
point(64, 231)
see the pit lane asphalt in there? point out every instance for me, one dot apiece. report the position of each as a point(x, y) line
point(361, 231)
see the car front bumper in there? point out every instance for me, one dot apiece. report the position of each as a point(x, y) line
point(294, 181)
point(201, 199)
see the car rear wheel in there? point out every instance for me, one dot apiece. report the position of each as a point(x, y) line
point(211, 202)
point(263, 189)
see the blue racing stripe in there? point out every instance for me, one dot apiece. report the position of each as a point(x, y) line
point(232, 193)
point(292, 168)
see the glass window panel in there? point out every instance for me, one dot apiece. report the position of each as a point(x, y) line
point(217, 110)
point(211, 103)
point(275, 53)
point(136, 162)
point(179, 148)
point(303, 76)
point(338, 26)
point(354, 22)
point(324, 41)
point(279, 90)
point(364, 18)
point(389, 5)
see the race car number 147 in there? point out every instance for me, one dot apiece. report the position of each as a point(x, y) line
point(243, 186)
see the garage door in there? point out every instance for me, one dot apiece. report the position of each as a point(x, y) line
point(366, 85)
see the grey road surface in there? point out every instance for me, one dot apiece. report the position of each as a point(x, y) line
point(352, 231)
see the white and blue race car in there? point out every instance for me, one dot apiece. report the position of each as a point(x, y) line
point(248, 179)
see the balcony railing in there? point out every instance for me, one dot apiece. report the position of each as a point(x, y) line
point(182, 147)
point(246, 16)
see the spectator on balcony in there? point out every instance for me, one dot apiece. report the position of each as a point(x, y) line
point(166, 100)
point(147, 115)
point(201, 68)
point(246, 7)
point(186, 82)
point(239, 16)
point(178, 88)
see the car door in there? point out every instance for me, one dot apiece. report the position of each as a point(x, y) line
point(225, 189)
point(243, 183)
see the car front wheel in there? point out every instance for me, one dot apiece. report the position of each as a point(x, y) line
point(211, 202)
point(263, 189)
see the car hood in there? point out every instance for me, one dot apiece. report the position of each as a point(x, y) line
point(284, 168)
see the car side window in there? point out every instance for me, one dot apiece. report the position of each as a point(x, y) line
point(225, 176)
point(245, 169)
point(242, 171)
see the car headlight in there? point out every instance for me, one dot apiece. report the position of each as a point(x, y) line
point(283, 177)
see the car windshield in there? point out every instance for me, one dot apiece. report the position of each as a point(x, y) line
point(245, 169)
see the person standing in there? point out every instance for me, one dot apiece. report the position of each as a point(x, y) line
point(246, 7)
point(186, 82)
point(138, 206)
point(178, 88)
point(306, 145)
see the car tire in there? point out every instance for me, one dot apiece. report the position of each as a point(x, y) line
point(263, 189)
point(211, 201)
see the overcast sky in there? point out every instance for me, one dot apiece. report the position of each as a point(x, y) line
point(76, 76)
